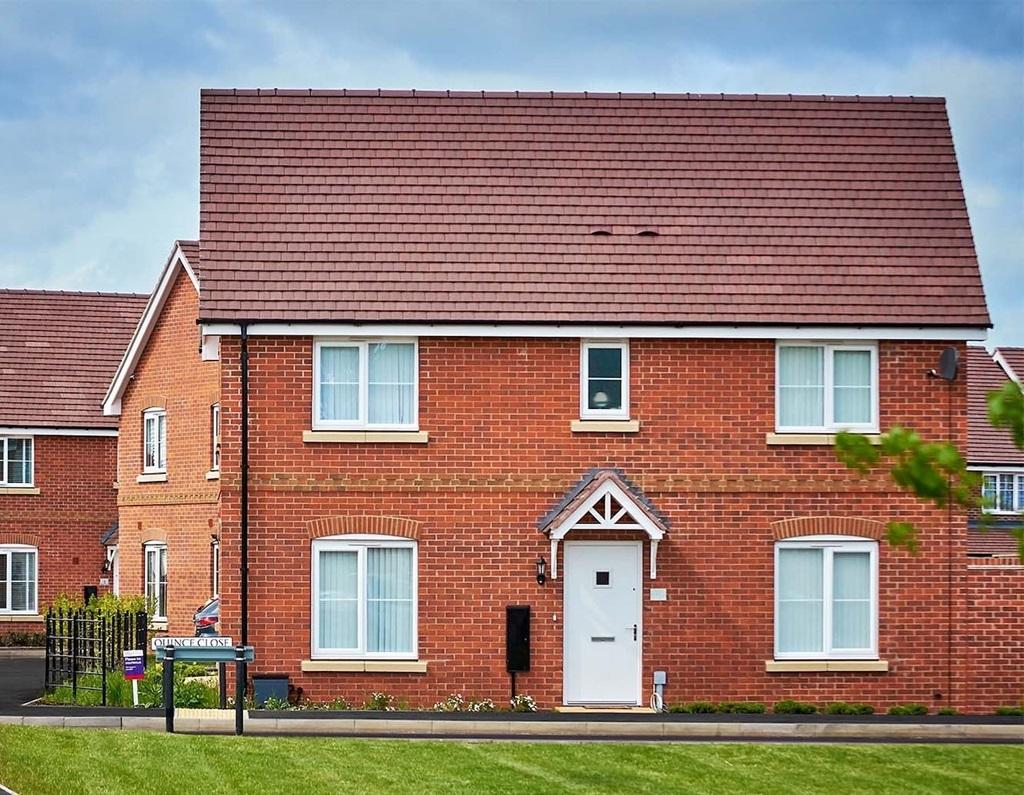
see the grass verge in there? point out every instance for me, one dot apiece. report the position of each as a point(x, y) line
point(37, 761)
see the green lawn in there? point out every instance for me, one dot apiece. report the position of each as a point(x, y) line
point(36, 760)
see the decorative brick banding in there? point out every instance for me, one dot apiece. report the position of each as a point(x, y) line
point(363, 525)
point(19, 537)
point(1000, 561)
point(827, 526)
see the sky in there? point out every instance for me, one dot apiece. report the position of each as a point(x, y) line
point(99, 102)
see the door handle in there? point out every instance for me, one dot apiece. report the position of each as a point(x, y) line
point(634, 632)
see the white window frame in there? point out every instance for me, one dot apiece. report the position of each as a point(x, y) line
point(587, 413)
point(160, 449)
point(1017, 496)
point(830, 425)
point(215, 568)
point(31, 461)
point(830, 545)
point(359, 544)
point(5, 550)
point(362, 422)
point(214, 437)
point(148, 548)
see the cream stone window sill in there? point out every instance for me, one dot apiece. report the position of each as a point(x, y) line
point(811, 438)
point(366, 666)
point(19, 490)
point(605, 426)
point(158, 624)
point(152, 477)
point(804, 666)
point(20, 618)
point(404, 437)
point(213, 474)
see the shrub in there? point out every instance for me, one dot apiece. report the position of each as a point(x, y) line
point(740, 707)
point(109, 604)
point(948, 711)
point(380, 702)
point(908, 709)
point(845, 708)
point(523, 703)
point(23, 639)
point(454, 703)
point(699, 707)
point(481, 705)
point(1018, 711)
point(187, 693)
point(274, 703)
point(790, 707)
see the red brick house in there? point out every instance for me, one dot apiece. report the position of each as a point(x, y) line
point(57, 450)
point(586, 354)
point(166, 395)
point(991, 452)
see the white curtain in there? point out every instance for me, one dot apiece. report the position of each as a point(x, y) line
point(1020, 492)
point(23, 580)
point(851, 376)
point(339, 383)
point(392, 373)
point(339, 600)
point(851, 600)
point(3, 580)
point(19, 460)
point(389, 599)
point(801, 598)
point(801, 386)
point(1005, 496)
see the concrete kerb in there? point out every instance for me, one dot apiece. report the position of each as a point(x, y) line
point(212, 722)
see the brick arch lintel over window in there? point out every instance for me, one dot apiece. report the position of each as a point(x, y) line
point(20, 537)
point(154, 534)
point(363, 525)
point(827, 526)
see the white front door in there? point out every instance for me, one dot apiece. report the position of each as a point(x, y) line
point(602, 629)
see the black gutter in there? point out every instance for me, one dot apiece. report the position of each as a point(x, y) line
point(243, 562)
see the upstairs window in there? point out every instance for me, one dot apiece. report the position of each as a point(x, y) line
point(18, 578)
point(365, 384)
point(16, 461)
point(604, 380)
point(826, 599)
point(1003, 493)
point(215, 437)
point(826, 387)
point(154, 440)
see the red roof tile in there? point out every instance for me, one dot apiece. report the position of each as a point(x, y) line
point(991, 541)
point(985, 444)
point(1014, 359)
point(58, 351)
point(472, 207)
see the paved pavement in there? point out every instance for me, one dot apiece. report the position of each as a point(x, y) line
point(21, 680)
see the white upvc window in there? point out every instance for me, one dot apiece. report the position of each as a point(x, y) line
point(1003, 492)
point(16, 461)
point(19, 577)
point(364, 598)
point(604, 380)
point(366, 384)
point(215, 437)
point(215, 568)
point(826, 387)
point(154, 440)
point(156, 579)
point(826, 599)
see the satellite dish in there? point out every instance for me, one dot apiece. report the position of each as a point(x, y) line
point(949, 364)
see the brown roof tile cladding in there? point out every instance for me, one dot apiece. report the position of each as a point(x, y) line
point(985, 444)
point(991, 541)
point(482, 207)
point(1014, 358)
point(58, 352)
point(191, 249)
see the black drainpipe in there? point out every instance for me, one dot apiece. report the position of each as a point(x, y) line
point(243, 565)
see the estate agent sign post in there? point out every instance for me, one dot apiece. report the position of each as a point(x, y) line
point(209, 648)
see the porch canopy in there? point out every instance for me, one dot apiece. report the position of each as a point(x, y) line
point(603, 500)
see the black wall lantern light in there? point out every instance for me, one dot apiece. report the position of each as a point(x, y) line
point(542, 570)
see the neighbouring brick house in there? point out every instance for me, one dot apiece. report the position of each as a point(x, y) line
point(57, 450)
point(166, 395)
point(466, 340)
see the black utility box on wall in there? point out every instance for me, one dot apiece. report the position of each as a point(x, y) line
point(517, 638)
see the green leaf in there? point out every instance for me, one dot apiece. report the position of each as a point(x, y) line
point(1006, 410)
point(902, 534)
